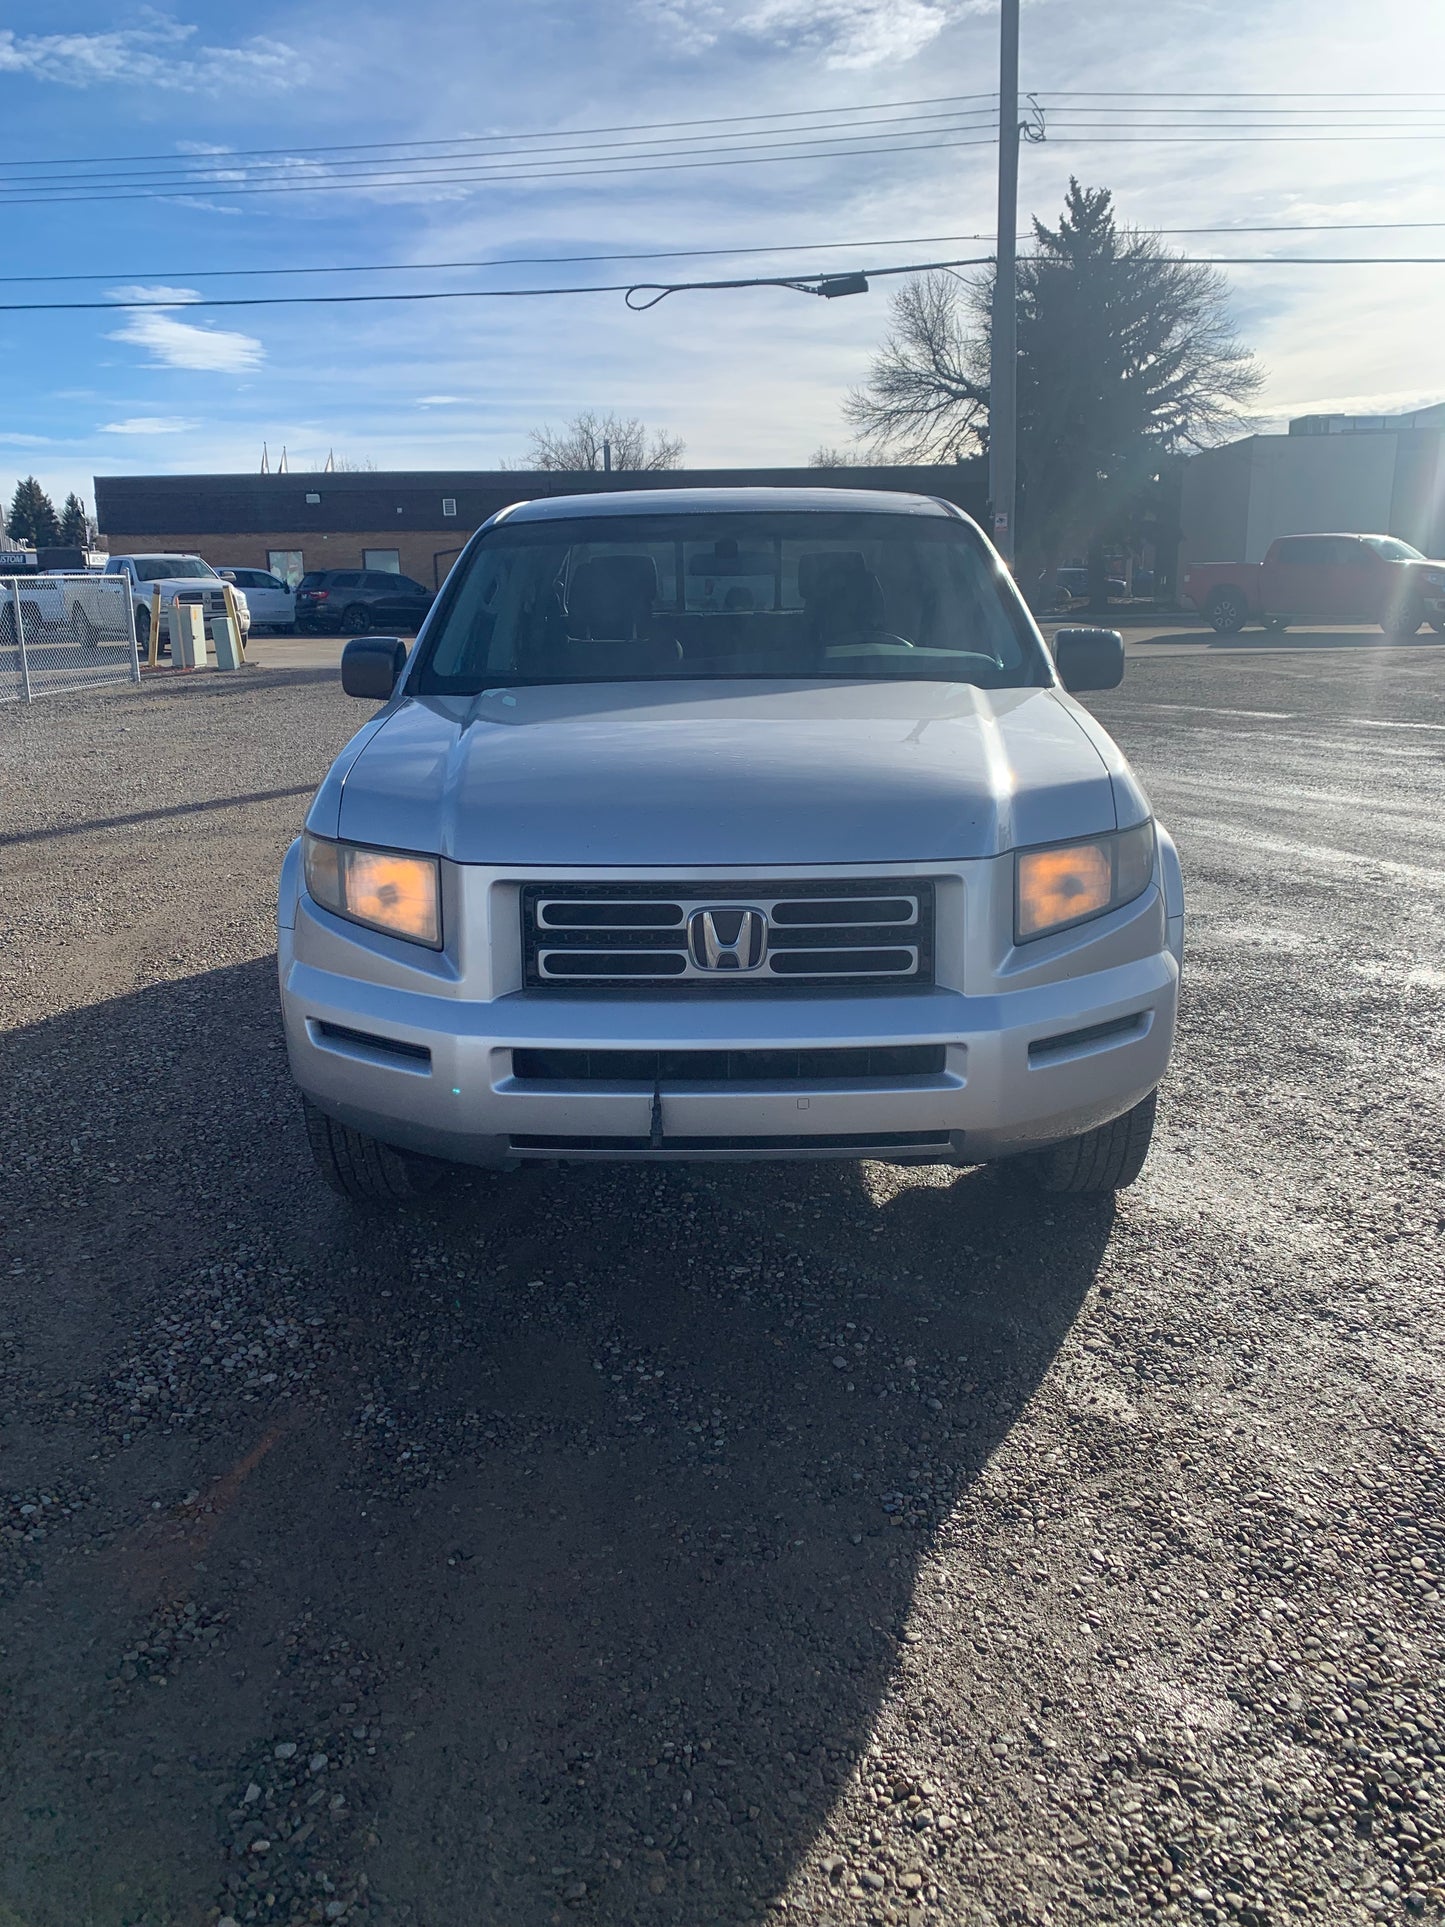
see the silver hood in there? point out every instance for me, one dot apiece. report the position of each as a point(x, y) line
point(686, 775)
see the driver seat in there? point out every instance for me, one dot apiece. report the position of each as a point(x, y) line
point(841, 596)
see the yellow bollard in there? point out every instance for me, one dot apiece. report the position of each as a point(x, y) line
point(153, 653)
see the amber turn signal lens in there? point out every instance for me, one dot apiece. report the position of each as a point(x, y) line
point(1061, 886)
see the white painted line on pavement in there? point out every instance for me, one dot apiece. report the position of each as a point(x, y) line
point(1293, 716)
point(1208, 709)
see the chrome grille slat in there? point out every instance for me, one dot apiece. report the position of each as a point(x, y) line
point(862, 930)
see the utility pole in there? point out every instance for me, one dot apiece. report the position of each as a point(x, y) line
point(1003, 347)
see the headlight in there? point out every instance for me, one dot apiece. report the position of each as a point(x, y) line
point(1068, 883)
point(398, 894)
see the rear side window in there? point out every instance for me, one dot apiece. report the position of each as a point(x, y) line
point(1305, 551)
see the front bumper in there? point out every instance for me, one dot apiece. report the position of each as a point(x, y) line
point(433, 1072)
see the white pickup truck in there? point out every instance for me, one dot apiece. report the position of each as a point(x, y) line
point(185, 577)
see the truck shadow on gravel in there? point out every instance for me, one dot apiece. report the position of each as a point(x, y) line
point(576, 1519)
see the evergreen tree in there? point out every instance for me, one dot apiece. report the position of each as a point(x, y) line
point(32, 515)
point(74, 523)
point(1126, 357)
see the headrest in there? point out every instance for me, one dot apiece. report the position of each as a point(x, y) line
point(828, 571)
point(612, 595)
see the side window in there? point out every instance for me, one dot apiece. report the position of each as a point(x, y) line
point(345, 580)
point(1346, 554)
point(1301, 552)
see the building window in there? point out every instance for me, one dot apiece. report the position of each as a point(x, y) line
point(449, 505)
point(388, 559)
point(286, 563)
point(313, 500)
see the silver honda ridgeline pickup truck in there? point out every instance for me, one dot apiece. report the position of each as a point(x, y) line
point(730, 824)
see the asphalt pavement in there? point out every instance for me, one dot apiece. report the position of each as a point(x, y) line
point(835, 1544)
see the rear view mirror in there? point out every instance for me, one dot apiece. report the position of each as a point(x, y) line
point(1089, 658)
point(371, 666)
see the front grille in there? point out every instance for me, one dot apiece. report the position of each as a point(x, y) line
point(860, 931)
point(886, 1064)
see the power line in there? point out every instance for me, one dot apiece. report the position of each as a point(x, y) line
point(561, 171)
point(189, 169)
point(508, 260)
point(488, 179)
point(137, 276)
point(799, 282)
point(453, 140)
point(1121, 97)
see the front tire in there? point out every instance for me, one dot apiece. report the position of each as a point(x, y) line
point(364, 1169)
point(1105, 1159)
point(1226, 612)
point(1403, 622)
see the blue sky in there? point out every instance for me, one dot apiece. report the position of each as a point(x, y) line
point(743, 377)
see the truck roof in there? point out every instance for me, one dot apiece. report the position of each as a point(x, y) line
point(712, 501)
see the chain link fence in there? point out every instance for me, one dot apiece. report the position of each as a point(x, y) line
point(60, 632)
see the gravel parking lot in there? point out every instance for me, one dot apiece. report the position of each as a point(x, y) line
point(837, 1544)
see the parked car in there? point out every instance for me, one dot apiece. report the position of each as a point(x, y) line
point(351, 601)
point(271, 602)
point(1322, 578)
point(185, 577)
point(1071, 584)
point(57, 604)
point(628, 868)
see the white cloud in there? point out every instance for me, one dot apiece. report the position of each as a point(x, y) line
point(24, 441)
point(150, 425)
point(137, 291)
point(180, 344)
point(849, 33)
point(155, 51)
point(439, 401)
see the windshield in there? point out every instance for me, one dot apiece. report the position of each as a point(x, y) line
point(784, 593)
point(171, 568)
point(1393, 549)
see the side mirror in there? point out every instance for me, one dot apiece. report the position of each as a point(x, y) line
point(371, 665)
point(1089, 658)
point(227, 575)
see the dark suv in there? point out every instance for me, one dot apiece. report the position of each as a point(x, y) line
point(355, 600)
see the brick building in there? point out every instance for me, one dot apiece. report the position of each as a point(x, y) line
point(413, 521)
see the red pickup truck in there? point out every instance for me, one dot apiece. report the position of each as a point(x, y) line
point(1321, 578)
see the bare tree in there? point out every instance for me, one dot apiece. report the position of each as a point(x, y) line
point(927, 393)
point(1126, 357)
point(578, 445)
point(826, 457)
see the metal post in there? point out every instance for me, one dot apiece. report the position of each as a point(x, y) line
point(134, 626)
point(20, 641)
point(1003, 352)
point(607, 458)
